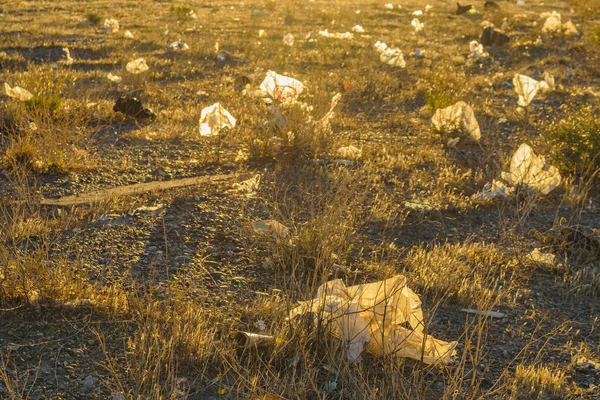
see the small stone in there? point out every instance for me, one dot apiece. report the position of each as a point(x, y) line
point(182, 259)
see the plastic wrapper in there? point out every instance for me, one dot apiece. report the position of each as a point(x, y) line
point(458, 117)
point(393, 57)
point(137, 66)
point(282, 88)
point(383, 317)
point(215, 118)
point(17, 92)
point(526, 168)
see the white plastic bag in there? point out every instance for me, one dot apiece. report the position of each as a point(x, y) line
point(393, 57)
point(459, 116)
point(17, 92)
point(384, 316)
point(214, 118)
point(137, 66)
point(282, 88)
point(526, 168)
point(178, 46)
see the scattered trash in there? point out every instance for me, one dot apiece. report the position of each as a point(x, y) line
point(385, 316)
point(460, 9)
point(68, 60)
point(554, 25)
point(224, 57)
point(520, 3)
point(248, 339)
point(393, 57)
point(345, 35)
point(17, 92)
point(526, 88)
point(114, 78)
point(128, 35)
point(491, 5)
point(418, 25)
point(288, 39)
point(389, 6)
point(380, 46)
point(214, 118)
point(250, 186)
point(281, 88)
point(542, 259)
point(137, 66)
point(492, 314)
point(271, 227)
point(473, 11)
point(262, 33)
point(504, 24)
point(458, 117)
point(477, 51)
point(110, 26)
point(132, 107)
point(532, 171)
point(358, 29)
point(492, 190)
point(417, 13)
point(152, 210)
point(349, 152)
point(422, 208)
point(492, 37)
point(178, 46)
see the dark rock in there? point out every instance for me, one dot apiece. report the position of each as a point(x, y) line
point(460, 10)
point(491, 5)
point(492, 37)
point(132, 107)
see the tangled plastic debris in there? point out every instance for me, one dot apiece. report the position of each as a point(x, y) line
point(215, 118)
point(554, 25)
point(530, 170)
point(114, 78)
point(270, 227)
point(358, 29)
point(393, 57)
point(526, 88)
point(110, 25)
point(178, 46)
point(68, 59)
point(128, 35)
point(137, 66)
point(458, 117)
point(17, 92)
point(349, 152)
point(288, 39)
point(418, 25)
point(385, 317)
point(477, 51)
point(345, 35)
point(281, 88)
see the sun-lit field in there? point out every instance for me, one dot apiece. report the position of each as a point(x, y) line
point(155, 245)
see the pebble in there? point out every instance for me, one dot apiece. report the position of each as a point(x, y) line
point(89, 383)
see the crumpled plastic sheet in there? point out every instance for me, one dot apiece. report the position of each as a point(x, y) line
point(178, 46)
point(526, 168)
point(110, 25)
point(493, 190)
point(336, 35)
point(477, 50)
point(214, 118)
point(137, 66)
point(393, 57)
point(418, 25)
point(526, 88)
point(281, 87)
point(459, 116)
point(17, 92)
point(554, 25)
point(383, 317)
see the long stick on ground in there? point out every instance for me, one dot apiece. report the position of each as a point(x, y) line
point(106, 194)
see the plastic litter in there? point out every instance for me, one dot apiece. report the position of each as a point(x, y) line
point(110, 26)
point(477, 51)
point(114, 78)
point(554, 25)
point(385, 317)
point(270, 227)
point(69, 60)
point(281, 87)
point(345, 35)
point(358, 29)
point(178, 46)
point(248, 339)
point(128, 35)
point(262, 33)
point(131, 106)
point(215, 118)
point(288, 39)
point(418, 25)
point(493, 190)
point(250, 186)
point(543, 259)
point(530, 170)
point(520, 3)
point(458, 117)
point(137, 66)
point(389, 6)
point(17, 92)
point(417, 13)
point(380, 46)
point(492, 314)
point(492, 37)
point(460, 9)
point(393, 57)
point(526, 88)
point(491, 5)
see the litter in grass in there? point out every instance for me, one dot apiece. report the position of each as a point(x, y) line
point(555, 27)
point(132, 107)
point(383, 317)
point(542, 259)
point(526, 88)
point(492, 314)
point(270, 227)
point(349, 152)
point(17, 92)
point(110, 25)
point(477, 51)
point(418, 25)
point(288, 39)
point(178, 46)
point(358, 29)
point(530, 170)
point(345, 35)
point(128, 35)
point(458, 117)
point(215, 118)
point(68, 59)
point(114, 78)
point(137, 66)
point(393, 57)
point(492, 37)
point(281, 88)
